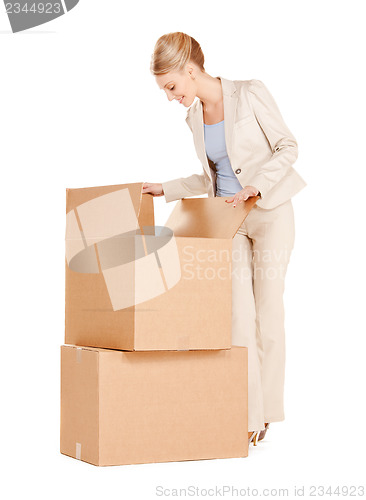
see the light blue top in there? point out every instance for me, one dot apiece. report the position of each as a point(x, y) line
point(227, 183)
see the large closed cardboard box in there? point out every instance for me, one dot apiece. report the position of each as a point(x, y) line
point(120, 407)
point(132, 285)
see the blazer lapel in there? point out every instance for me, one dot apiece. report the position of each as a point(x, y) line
point(195, 117)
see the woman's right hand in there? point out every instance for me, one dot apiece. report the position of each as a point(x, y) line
point(154, 189)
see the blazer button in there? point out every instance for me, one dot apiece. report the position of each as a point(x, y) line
point(238, 170)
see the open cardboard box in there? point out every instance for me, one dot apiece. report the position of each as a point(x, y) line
point(137, 287)
point(121, 407)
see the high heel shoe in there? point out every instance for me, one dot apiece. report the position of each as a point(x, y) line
point(263, 433)
point(253, 438)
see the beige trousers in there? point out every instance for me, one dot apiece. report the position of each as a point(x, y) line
point(260, 255)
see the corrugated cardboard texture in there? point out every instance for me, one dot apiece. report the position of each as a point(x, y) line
point(154, 406)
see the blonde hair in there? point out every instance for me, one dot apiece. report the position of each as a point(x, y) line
point(173, 51)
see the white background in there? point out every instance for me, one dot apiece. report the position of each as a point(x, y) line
point(80, 108)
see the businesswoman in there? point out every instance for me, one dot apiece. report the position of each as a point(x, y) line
point(246, 150)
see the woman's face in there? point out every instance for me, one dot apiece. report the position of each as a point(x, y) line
point(179, 86)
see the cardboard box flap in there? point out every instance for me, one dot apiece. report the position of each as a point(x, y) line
point(208, 217)
point(100, 213)
point(78, 196)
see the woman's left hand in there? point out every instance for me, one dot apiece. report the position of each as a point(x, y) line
point(243, 195)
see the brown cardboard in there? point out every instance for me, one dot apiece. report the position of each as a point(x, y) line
point(133, 286)
point(120, 408)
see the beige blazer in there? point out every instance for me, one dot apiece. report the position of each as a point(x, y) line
point(260, 147)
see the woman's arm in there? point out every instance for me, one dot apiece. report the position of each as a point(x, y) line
point(176, 189)
point(283, 143)
point(183, 187)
